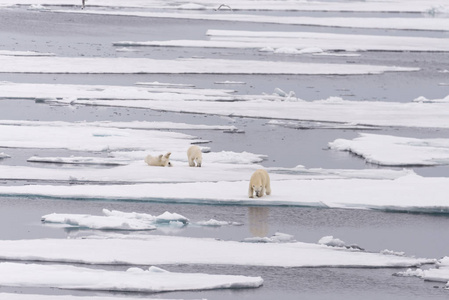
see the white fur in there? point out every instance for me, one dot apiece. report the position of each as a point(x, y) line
point(194, 154)
point(259, 184)
point(159, 161)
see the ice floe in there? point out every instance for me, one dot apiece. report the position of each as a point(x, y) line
point(120, 125)
point(216, 223)
point(24, 53)
point(396, 151)
point(78, 160)
point(430, 24)
point(22, 296)
point(99, 222)
point(410, 193)
point(416, 6)
point(440, 273)
point(424, 99)
point(319, 125)
point(115, 220)
point(425, 115)
point(120, 65)
point(332, 110)
point(87, 137)
point(161, 250)
point(132, 280)
point(302, 42)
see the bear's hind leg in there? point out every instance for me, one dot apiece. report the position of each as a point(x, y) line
point(191, 162)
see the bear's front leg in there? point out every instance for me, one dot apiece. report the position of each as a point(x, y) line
point(250, 192)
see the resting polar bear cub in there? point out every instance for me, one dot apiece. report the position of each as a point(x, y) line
point(194, 154)
point(259, 184)
point(159, 161)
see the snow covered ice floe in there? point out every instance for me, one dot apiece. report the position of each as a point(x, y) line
point(301, 42)
point(118, 125)
point(331, 110)
point(24, 53)
point(216, 223)
point(440, 273)
point(218, 168)
point(409, 193)
point(89, 137)
point(429, 24)
point(424, 99)
point(75, 160)
point(14, 296)
point(116, 220)
point(415, 6)
point(89, 65)
point(161, 250)
point(132, 280)
point(396, 151)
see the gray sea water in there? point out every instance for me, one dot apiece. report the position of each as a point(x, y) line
point(420, 235)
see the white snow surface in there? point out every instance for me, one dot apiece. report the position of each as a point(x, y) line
point(396, 151)
point(161, 250)
point(120, 65)
point(132, 280)
point(302, 42)
point(404, 194)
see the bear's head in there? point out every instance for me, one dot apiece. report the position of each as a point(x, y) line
point(258, 189)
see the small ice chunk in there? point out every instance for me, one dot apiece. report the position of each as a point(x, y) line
point(310, 50)
point(278, 237)
point(410, 273)
point(266, 49)
point(168, 217)
point(335, 242)
point(4, 155)
point(331, 241)
point(390, 252)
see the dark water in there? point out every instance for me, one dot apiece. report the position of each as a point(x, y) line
point(420, 235)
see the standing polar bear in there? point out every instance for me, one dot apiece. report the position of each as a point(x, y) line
point(159, 161)
point(194, 155)
point(259, 184)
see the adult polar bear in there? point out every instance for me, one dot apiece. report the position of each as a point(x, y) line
point(259, 184)
point(194, 155)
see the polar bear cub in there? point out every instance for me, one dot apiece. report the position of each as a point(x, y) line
point(194, 155)
point(159, 161)
point(259, 184)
